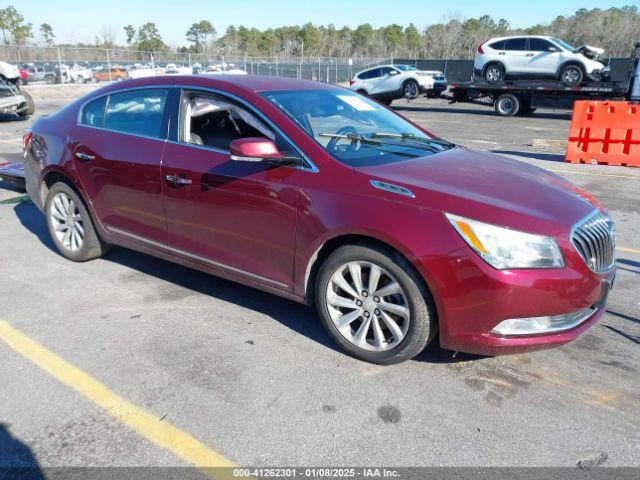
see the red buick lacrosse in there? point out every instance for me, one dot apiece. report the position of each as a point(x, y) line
point(323, 196)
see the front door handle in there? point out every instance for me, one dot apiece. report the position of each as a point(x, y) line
point(529, 55)
point(85, 157)
point(178, 181)
point(501, 53)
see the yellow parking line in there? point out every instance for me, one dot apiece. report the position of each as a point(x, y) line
point(569, 172)
point(160, 433)
point(628, 250)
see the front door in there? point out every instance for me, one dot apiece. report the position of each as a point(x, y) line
point(117, 148)
point(239, 217)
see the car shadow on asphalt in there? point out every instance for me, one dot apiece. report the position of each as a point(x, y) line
point(16, 458)
point(472, 111)
point(295, 316)
point(550, 157)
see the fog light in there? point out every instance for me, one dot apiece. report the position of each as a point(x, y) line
point(541, 325)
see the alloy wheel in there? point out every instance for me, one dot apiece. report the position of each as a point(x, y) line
point(494, 74)
point(571, 76)
point(410, 90)
point(368, 306)
point(67, 222)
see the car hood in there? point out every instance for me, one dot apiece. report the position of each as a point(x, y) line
point(589, 51)
point(488, 188)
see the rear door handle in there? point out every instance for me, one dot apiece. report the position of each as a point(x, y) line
point(501, 53)
point(529, 55)
point(85, 157)
point(179, 181)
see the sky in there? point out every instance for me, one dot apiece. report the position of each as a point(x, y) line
point(83, 20)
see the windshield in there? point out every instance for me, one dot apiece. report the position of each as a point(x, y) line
point(405, 68)
point(354, 129)
point(564, 44)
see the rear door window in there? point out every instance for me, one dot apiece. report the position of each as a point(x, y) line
point(93, 113)
point(138, 112)
point(516, 44)
point(498, 45)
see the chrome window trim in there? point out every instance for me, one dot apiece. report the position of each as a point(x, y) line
point(198, 258)
point(137, 135)
point(310, 167)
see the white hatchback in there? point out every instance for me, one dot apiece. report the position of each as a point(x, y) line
point(538, 57)
point(389, 82)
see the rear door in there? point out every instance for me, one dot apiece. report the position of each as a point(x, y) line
point(117, 148)
point(544, 57)
point(515, 58)
point(371, 82)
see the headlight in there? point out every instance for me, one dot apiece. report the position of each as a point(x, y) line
point(503, 248)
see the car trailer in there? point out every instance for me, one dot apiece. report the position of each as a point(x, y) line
point(523, 97)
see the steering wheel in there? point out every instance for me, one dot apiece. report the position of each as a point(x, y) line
point(333, 143)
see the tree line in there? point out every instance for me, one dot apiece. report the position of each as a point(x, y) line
point(614, 29)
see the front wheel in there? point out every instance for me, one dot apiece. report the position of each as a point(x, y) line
point(374, 304)
point(572, 75)
point(70, 225)
point(410, 89)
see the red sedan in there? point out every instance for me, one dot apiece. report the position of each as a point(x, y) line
point(320, 195)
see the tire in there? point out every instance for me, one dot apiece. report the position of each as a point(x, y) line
point(414, 331)
point(49, 79)
point(507, 105)
point(494, 73)
point(80, 79)
point(362, 92)
point(28, 108)
point(410, 89)
point(572, 75)
point(90, 245)
point(386, 102)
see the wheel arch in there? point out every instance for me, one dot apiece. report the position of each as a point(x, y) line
point(573, 62)
point(56, 175)
point(491, 63)
point(332, 244)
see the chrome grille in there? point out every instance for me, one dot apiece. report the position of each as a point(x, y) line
point(595, 239)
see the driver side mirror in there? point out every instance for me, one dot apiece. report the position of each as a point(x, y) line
point(257, 149)
point(393, 72)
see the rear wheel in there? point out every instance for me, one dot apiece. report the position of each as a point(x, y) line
point(507, 105)
point(374, 304)
point(50, 79)
point(494, 73)
point(70, 225)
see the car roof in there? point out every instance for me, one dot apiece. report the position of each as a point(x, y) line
point(497, 39)
point(246, 83)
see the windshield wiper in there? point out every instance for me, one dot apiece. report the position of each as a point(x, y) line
point(412, 137)
point(361, 138)
point(373, 143)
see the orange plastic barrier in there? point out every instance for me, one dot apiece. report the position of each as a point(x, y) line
point(605, 133)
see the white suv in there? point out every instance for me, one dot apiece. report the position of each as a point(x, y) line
point(538, 57)
point(389, 82)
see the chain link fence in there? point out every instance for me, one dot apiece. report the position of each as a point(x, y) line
point(323, 69)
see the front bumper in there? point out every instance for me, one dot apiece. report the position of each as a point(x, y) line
point(472, 299)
